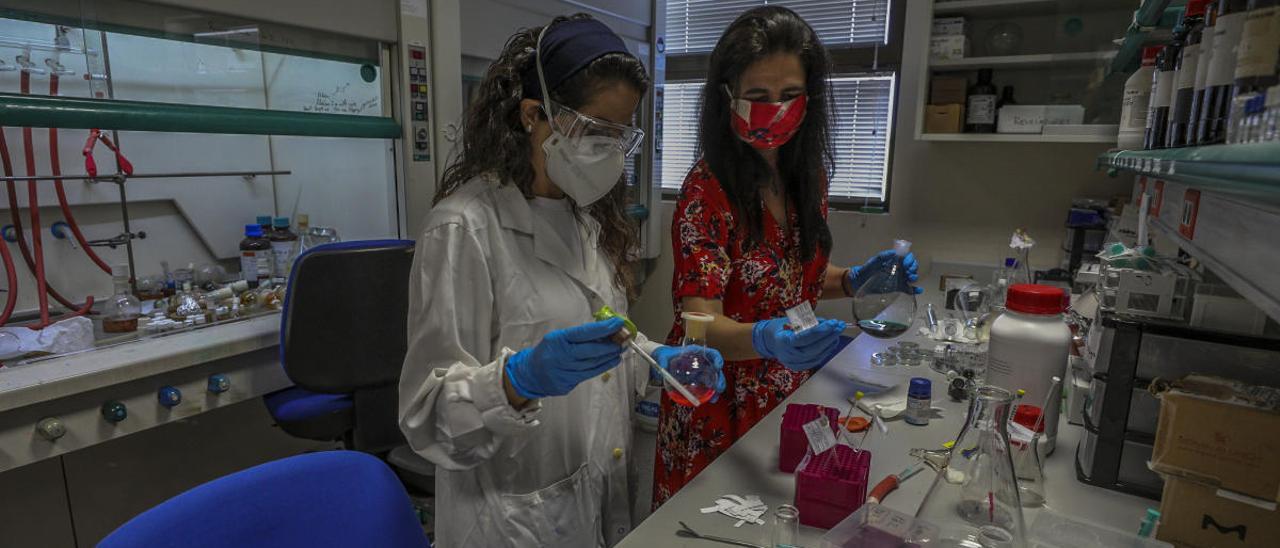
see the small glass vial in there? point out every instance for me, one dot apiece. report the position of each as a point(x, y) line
point(786, 527)
point(919, 401)
point(122, 311)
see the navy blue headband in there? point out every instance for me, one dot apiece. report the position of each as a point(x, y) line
point(567, 48)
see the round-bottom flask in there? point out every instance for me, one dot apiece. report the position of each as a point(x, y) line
point(885, 305)
point(694, 368)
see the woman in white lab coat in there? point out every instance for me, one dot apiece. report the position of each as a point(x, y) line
point(508, 386)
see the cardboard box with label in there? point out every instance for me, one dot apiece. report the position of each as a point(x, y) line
point(948, 26)
point(945, 48)
point(1218, 446)
point(1033, 118)
point(948, 90)
point(943, 118)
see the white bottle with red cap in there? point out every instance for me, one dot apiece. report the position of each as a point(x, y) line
point(1029, 346)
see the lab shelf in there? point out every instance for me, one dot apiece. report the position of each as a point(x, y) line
point(1250, 170)
point(1034, 61)
point(1014, 138)
point(1018, 8)
point(81, 113)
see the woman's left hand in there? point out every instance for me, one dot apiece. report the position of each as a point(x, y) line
point(859, 275)
point(664, 354)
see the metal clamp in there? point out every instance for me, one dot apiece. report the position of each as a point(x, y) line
point(119, 240)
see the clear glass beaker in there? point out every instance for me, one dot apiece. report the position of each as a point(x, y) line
point(694, 368)
point(885, 305)
point(974, 500)
point(786, 527)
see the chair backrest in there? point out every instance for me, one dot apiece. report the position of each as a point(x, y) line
point(330, 498)
point(345, 313)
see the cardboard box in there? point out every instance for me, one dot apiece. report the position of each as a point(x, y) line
point(1221, 433)
point(943, 118)
point(1196, 515)
point(943, 48)
point(948, 26)
point(1063, 115)
point(948, 90)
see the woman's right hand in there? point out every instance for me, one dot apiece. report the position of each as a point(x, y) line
point(564, 358)
point(797, 351)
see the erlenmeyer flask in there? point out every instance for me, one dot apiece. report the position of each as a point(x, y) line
point(974, 500)
point(693, 368)
point(885, 306)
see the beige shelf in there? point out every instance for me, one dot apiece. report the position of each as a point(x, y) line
point(1013, 138)
point(1035, 61)
point(1021, 8)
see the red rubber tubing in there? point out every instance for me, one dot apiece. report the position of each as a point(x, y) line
point(33, 210)
point(10, 270)
point(55, 165)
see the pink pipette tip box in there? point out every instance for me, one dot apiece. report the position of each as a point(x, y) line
point(832, 485)
point(792, 442)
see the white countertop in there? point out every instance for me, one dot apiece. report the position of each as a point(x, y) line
point(750, 467)
point(61, 376)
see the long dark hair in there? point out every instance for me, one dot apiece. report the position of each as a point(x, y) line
point(805, 160)
point(494, 141)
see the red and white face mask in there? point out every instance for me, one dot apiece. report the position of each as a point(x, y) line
point(767, 125)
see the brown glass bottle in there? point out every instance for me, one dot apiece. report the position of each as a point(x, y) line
point(980, 112)
point(255, 256)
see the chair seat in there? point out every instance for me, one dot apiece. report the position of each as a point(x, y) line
point(297, 404)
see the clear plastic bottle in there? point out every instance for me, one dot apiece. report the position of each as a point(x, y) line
point(694, 369)
point(1136, 102)
point(885, 305)
point(974, 499)
point(122, 310)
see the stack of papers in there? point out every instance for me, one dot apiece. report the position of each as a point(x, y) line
point(745, 509)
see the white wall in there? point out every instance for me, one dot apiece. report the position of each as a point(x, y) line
point(958, 202)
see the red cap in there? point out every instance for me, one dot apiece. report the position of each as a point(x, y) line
point(1036, 299)
point(1149, 55)
point(1196, 8)
point(1027, 415)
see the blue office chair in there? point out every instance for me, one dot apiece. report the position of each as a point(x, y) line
point(342, 343)
point(331, 498)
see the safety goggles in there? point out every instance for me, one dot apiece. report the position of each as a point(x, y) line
point(585, 130)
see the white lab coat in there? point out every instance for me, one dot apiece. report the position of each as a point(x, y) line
point(490, 278)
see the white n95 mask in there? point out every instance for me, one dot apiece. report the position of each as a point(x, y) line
point(585, 168)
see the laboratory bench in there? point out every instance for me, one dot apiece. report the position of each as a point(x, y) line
point(750, 466)
point(54, 405)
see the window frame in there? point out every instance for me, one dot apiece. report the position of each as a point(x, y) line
point(851, 60)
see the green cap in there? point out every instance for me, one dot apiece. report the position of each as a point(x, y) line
point(281, 222)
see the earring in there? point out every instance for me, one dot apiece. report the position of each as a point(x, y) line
point(528, 128)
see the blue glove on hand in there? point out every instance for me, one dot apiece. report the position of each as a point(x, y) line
point(798, 351)
point(564, 358)
point(664, 354)
point(859, 275)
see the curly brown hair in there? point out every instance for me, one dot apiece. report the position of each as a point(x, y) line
point(495, 143)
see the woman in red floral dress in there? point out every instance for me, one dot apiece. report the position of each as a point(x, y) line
point(750, 235)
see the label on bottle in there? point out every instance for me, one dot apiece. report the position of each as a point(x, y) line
point(1259, 43)
point(1133, 111)
point(1162, 97)
point(282, 253)
point(1202, 62)
point(249, 266)
point(1186, 78)
point(982, 109)
point(917, 412)
point(1226, 40)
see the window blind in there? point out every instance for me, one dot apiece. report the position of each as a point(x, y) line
point(694, 26)
point(860, 137)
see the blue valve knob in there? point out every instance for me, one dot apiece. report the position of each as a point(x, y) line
point(9, 233)
point(60, 229)
point(50, 428)
point(219, 383)
point(114, 411)
point(169, 396)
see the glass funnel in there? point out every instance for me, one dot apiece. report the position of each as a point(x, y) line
point(974, 500)
point(885, 306)
point(694, 368)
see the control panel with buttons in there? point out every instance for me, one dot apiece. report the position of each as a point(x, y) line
point(419, 112)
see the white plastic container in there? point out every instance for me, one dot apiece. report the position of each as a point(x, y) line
point(1029, 346)
point(1137, 101)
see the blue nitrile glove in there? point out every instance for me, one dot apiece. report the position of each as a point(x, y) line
point(664, 354)
point(564, 358)
point(798, 351)
point(859, 275)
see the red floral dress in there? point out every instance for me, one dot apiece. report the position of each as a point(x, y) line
point(714, 261)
